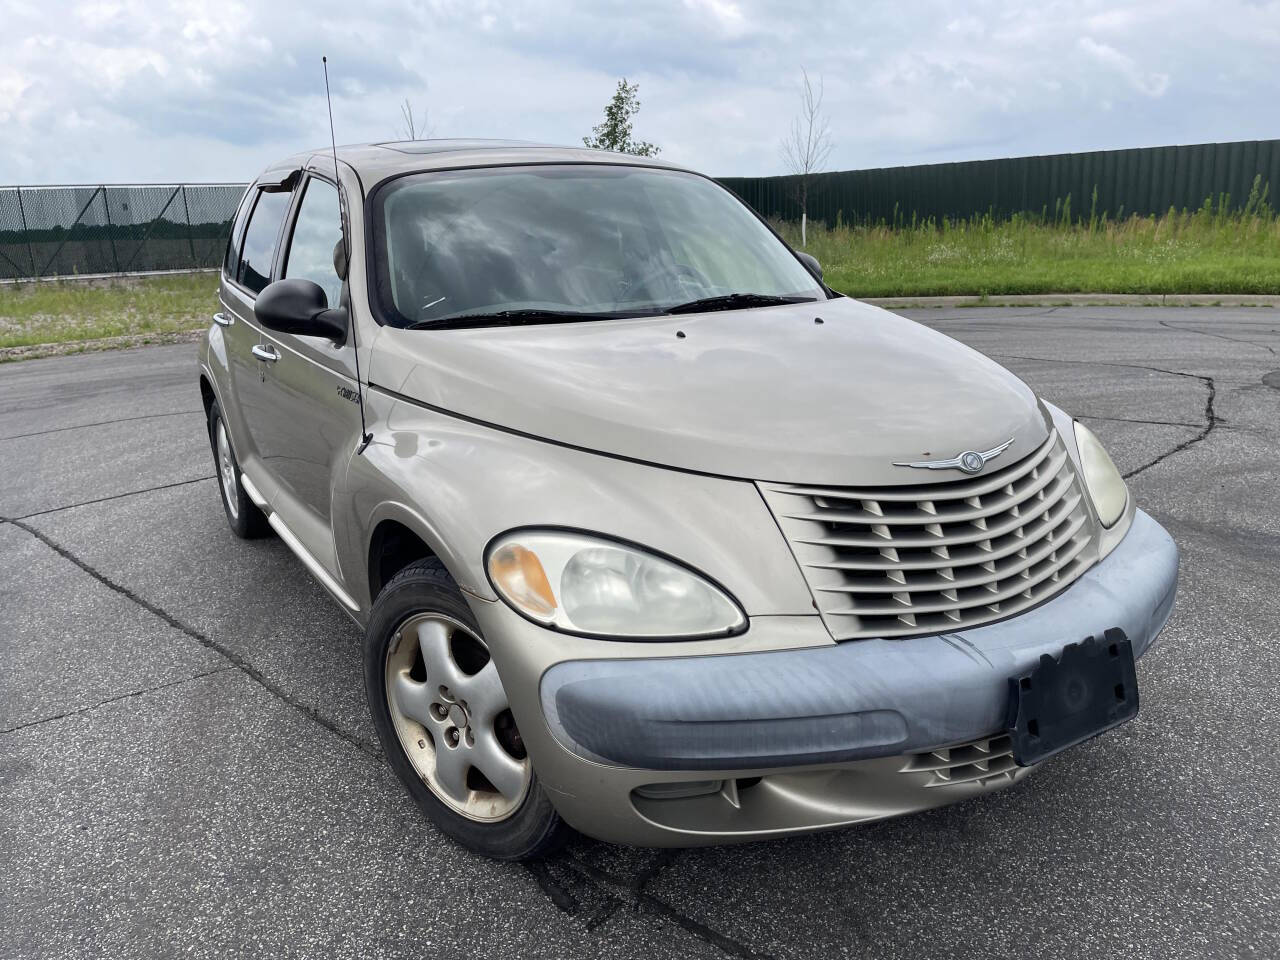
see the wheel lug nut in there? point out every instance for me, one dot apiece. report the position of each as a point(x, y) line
point(452, 736)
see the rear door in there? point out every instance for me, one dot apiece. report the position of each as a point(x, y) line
point(244, 280)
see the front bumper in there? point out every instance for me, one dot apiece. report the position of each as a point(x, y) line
point(837, 732)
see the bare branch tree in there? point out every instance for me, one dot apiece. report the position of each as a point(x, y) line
point(806, 147)
point(410, 128)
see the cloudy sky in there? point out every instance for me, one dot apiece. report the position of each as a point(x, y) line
point(154, 90)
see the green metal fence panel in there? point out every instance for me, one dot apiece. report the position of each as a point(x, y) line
point(88, 230)
point(1139, 181)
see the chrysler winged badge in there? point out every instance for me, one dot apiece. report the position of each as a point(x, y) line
point(971, 461)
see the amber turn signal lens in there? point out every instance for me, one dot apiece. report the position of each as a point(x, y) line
point(518, 573)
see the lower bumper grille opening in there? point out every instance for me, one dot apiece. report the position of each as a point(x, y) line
point(983, 762)
point(830, 796)
point(679, 790)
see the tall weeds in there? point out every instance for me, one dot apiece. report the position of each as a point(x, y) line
point(1218, 247)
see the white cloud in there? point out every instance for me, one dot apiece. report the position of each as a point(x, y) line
point(1151, 84)
point(167, 89)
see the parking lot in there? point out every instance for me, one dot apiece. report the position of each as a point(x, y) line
point(187, 765)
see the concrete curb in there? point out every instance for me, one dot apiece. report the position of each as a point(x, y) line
point(37, 351)
point(94, 277)
point(1085, 300)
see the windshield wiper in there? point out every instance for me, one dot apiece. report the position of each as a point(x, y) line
point(735, 301)
point(505, 318)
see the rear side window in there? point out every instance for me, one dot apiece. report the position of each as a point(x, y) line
point(232, 260)
point(259, 247)
point(315, 234)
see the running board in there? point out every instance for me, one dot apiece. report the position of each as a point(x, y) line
point(294, 544)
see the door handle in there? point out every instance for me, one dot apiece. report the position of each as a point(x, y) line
point(266, 352)
point(223, 319)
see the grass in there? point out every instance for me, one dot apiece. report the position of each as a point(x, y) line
point(61, 312)
point(1211, 250)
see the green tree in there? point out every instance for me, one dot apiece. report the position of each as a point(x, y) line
point(615, 132)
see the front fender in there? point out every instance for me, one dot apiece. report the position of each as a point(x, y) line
point(457, 484)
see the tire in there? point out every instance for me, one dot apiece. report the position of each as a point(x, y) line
point(243, 516)
point(417, 619)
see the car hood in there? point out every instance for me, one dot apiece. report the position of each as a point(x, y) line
point(766, 394)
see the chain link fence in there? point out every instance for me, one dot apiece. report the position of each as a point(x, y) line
point(89, 230)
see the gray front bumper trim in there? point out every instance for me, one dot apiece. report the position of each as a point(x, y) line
point(854, 700)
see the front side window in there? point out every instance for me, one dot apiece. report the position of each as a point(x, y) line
point(317, 231)
point(571, 240)
point(259, 248)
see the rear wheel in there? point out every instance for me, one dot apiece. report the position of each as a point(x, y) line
point(446, 728)
point(243, 516)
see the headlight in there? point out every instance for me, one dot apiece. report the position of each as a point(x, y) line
point(1105, 484)
point(583, 584)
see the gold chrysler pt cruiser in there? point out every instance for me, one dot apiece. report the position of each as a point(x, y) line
point(652, 534)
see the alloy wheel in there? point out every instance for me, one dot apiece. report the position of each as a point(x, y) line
point(451, 715)
point(227, 471)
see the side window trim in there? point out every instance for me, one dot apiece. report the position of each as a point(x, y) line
point(238, 226)
point(285, 238)
point(295, 214)
point(253, 194)
point(239, 278)
point(258, 189)
point(300, 195)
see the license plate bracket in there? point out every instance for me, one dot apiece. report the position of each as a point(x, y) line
point(1090, 688)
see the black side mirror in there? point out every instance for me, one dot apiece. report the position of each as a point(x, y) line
point(812, 263)
point(300, 307)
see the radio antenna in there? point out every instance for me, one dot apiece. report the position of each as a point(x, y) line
point(365, 436)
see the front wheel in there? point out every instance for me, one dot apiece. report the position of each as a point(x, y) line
point(446, 728)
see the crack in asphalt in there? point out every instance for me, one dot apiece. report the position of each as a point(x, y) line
point(582, 890)
point(1211, 419)
point(647, 903)
point(1154, 423)
point(1218, 336)
point(661, 864)
point(97, 423)
point(233, 658)
point(114, 496)
point(639, 885)
point(600, 882)
point(1210, 424)
point(116, 699)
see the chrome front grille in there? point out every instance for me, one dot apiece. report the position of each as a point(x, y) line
point(938, 557)
point(983, 762)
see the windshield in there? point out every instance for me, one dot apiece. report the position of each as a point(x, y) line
point(571, 241)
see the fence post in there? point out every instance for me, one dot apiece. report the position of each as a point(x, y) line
point(191, 243)
point(106, 206)
point(31, 254)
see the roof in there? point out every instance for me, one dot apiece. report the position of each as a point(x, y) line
point(375, 162)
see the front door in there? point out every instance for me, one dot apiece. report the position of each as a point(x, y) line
point(309, 417)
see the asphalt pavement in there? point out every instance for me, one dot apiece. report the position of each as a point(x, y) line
point(187, 766)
